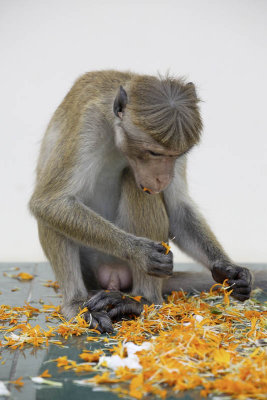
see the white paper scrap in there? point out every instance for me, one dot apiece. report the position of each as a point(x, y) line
point(133, 348)
point(40, 380)
point(131, 361)
point(3, 390)
point(198, 318)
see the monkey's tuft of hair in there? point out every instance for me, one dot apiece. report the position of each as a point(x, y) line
point(167, 109)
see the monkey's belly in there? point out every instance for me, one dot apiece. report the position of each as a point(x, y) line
point(114, 276)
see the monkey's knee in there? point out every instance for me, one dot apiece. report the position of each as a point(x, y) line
point(114, 277)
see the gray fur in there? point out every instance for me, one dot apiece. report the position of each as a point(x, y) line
point(167, 109)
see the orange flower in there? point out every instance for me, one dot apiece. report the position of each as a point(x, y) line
point(51, 284)
point(62, 361)
point(253, 326)
point(222, 356)
point(17, 382)
point(45, 374)
point(93, 338)
point(137, 298)
point(226, 297)
point(24, 276)
point(136, 387)
point(84, 368)
point(91, 357)
point(167, 247)
point(104, 378)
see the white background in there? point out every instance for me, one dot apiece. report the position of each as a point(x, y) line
point(219, 45)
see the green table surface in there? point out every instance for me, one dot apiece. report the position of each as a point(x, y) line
point(31, 362)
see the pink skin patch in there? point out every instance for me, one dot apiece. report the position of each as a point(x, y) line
point(114, 276)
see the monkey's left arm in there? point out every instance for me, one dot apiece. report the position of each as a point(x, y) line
point(194, 237)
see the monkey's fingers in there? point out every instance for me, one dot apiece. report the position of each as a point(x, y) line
point(100, 321)
point(159, 268)
point(246, 275)
point(242, 293)
point(241, 284)
point(241, 289)
point(160, 264)
point(162, 257)
point(162, 247)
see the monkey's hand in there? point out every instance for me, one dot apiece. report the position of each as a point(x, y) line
point(239, 278)
point(115, 304)
point(98, 320)
point(151, 257)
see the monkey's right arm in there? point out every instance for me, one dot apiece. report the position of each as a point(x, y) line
point(194, 236)
point(78, 222)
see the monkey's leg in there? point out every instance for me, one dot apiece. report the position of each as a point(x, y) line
point(101, 271)
point(147, 286)
point(63, 255)
point(115, 277)
point(188, 281)
point(119, 304)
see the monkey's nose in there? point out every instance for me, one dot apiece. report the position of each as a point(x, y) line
point(162, 182)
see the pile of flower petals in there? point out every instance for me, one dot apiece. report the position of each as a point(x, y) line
point(208, 342)
point(26, 334)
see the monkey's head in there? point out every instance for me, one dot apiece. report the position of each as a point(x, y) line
point(158, 120)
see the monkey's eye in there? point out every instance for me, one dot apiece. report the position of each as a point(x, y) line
point(153, 153)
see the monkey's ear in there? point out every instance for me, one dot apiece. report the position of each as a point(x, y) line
point(192, 86)
point(120, 102)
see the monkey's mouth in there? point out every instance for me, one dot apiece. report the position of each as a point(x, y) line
point(148, 191)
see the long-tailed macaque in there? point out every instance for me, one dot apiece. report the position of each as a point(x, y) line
point(111, 186)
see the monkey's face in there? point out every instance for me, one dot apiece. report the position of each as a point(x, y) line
point(153, 169)
point(152, 164)
point(158, 113)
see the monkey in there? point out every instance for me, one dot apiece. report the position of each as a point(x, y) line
point(111, 185)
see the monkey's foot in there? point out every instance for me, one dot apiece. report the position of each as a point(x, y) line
point(99, 320)
point(115, 304)
point(239, 278)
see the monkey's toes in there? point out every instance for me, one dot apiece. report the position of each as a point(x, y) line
point(115, 304)
point(104, 300)
point(99, 320)
point(127, 307)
